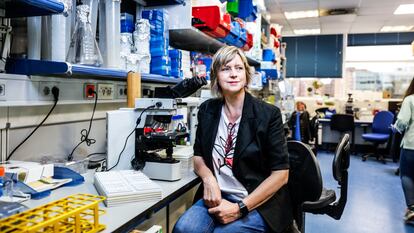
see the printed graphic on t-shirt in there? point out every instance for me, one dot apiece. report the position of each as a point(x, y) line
point(225, 147)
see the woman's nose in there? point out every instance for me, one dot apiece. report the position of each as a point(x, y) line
point(233, 72)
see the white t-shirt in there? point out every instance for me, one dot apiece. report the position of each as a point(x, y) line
point(223, 152)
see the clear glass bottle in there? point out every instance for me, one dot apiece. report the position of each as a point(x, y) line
point(83, 48)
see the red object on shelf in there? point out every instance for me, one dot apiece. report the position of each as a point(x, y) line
point(276, 44)
point(249, 42)
point(208, 19)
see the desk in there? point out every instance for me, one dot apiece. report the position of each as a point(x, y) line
point(125, 217)
point(329, 136)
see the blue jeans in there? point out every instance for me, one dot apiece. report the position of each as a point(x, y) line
point(197, 219)
point(407, 175)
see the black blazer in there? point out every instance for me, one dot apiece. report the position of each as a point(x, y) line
point(260, 148)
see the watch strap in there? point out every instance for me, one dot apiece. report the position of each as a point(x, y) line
point(243, 209)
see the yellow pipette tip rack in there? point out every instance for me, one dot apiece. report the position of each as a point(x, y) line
point(76, 213)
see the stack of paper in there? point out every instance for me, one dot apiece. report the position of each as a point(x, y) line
point(125, 186)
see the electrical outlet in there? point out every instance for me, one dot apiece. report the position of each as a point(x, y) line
point(45, 90)
point(121, 91)
point(106, 91)
point(2, 90)
point(88, 90)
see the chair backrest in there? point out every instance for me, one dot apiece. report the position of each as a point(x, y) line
point(321, 111)
point(382, 122)
point(342, 122)
point(305, 180)
point(341, 159)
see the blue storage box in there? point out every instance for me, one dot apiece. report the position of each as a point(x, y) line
point(177, 73)
point(175, 64)
point(268, 55)
point(160, 61)
point(153, 15)
point(127, 23)
point(175, 53)
point(163, 70)
point(271, 73)
point(207, 62)
point(233, 36)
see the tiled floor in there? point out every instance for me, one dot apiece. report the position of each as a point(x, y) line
point(375, 199)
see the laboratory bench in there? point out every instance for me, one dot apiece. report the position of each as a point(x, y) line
point(329, 136)
point(126, 217)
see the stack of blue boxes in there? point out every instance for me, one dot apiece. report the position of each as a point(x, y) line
point(160, 61)
point(175, 57)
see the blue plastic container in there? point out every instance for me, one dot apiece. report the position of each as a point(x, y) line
point(233, 37)
point(176, 64)
point(247, 11)
point(268, 55)
point(127, 23)
point(160, 61)
point(163, 70)
point(271, 73)
point(153, 15)
point(175, 53)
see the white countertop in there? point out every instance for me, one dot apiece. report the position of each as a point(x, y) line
point(119, 216)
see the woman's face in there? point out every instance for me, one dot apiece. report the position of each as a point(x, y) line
point(232, 77)
point(300, 107)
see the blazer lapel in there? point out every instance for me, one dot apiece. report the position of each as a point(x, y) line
point(212, 119)
point(247, 128)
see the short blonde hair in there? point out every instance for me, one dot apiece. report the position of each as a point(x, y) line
point(221, 58)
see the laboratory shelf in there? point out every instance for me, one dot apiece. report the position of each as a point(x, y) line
point(192, 39)
point(50, 68)
point(163, 2)
point(26, 8)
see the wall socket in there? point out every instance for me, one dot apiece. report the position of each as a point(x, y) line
point(2, 90)
point(121, 91)
point(106, 91)
point(45, 90)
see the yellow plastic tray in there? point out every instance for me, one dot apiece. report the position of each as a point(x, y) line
point(75, 213)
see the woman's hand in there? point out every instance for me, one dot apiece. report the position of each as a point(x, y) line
point(212, 193)
point(226, 212)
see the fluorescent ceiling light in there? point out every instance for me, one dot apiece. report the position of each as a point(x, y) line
point(307, 31)
point(401, 28)
point(404, 9)
point(301, 14)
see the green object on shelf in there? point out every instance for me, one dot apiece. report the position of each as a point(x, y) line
point(233, 7)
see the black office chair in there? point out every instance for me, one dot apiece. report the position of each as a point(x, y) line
point(344, 123)
point(305, 182)
point(321, 112)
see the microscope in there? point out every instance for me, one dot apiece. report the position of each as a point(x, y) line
point(152, 119)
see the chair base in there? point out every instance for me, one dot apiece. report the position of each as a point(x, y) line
point(379, 158)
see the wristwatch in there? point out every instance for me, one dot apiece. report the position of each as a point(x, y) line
point(243, 209)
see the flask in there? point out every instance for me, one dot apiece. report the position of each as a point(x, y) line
point(83, 48)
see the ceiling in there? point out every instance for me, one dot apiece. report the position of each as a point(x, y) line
point(370, 15)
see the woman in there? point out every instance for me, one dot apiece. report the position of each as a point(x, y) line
point(240, 153)
point(405, 124)
point(303, 133)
